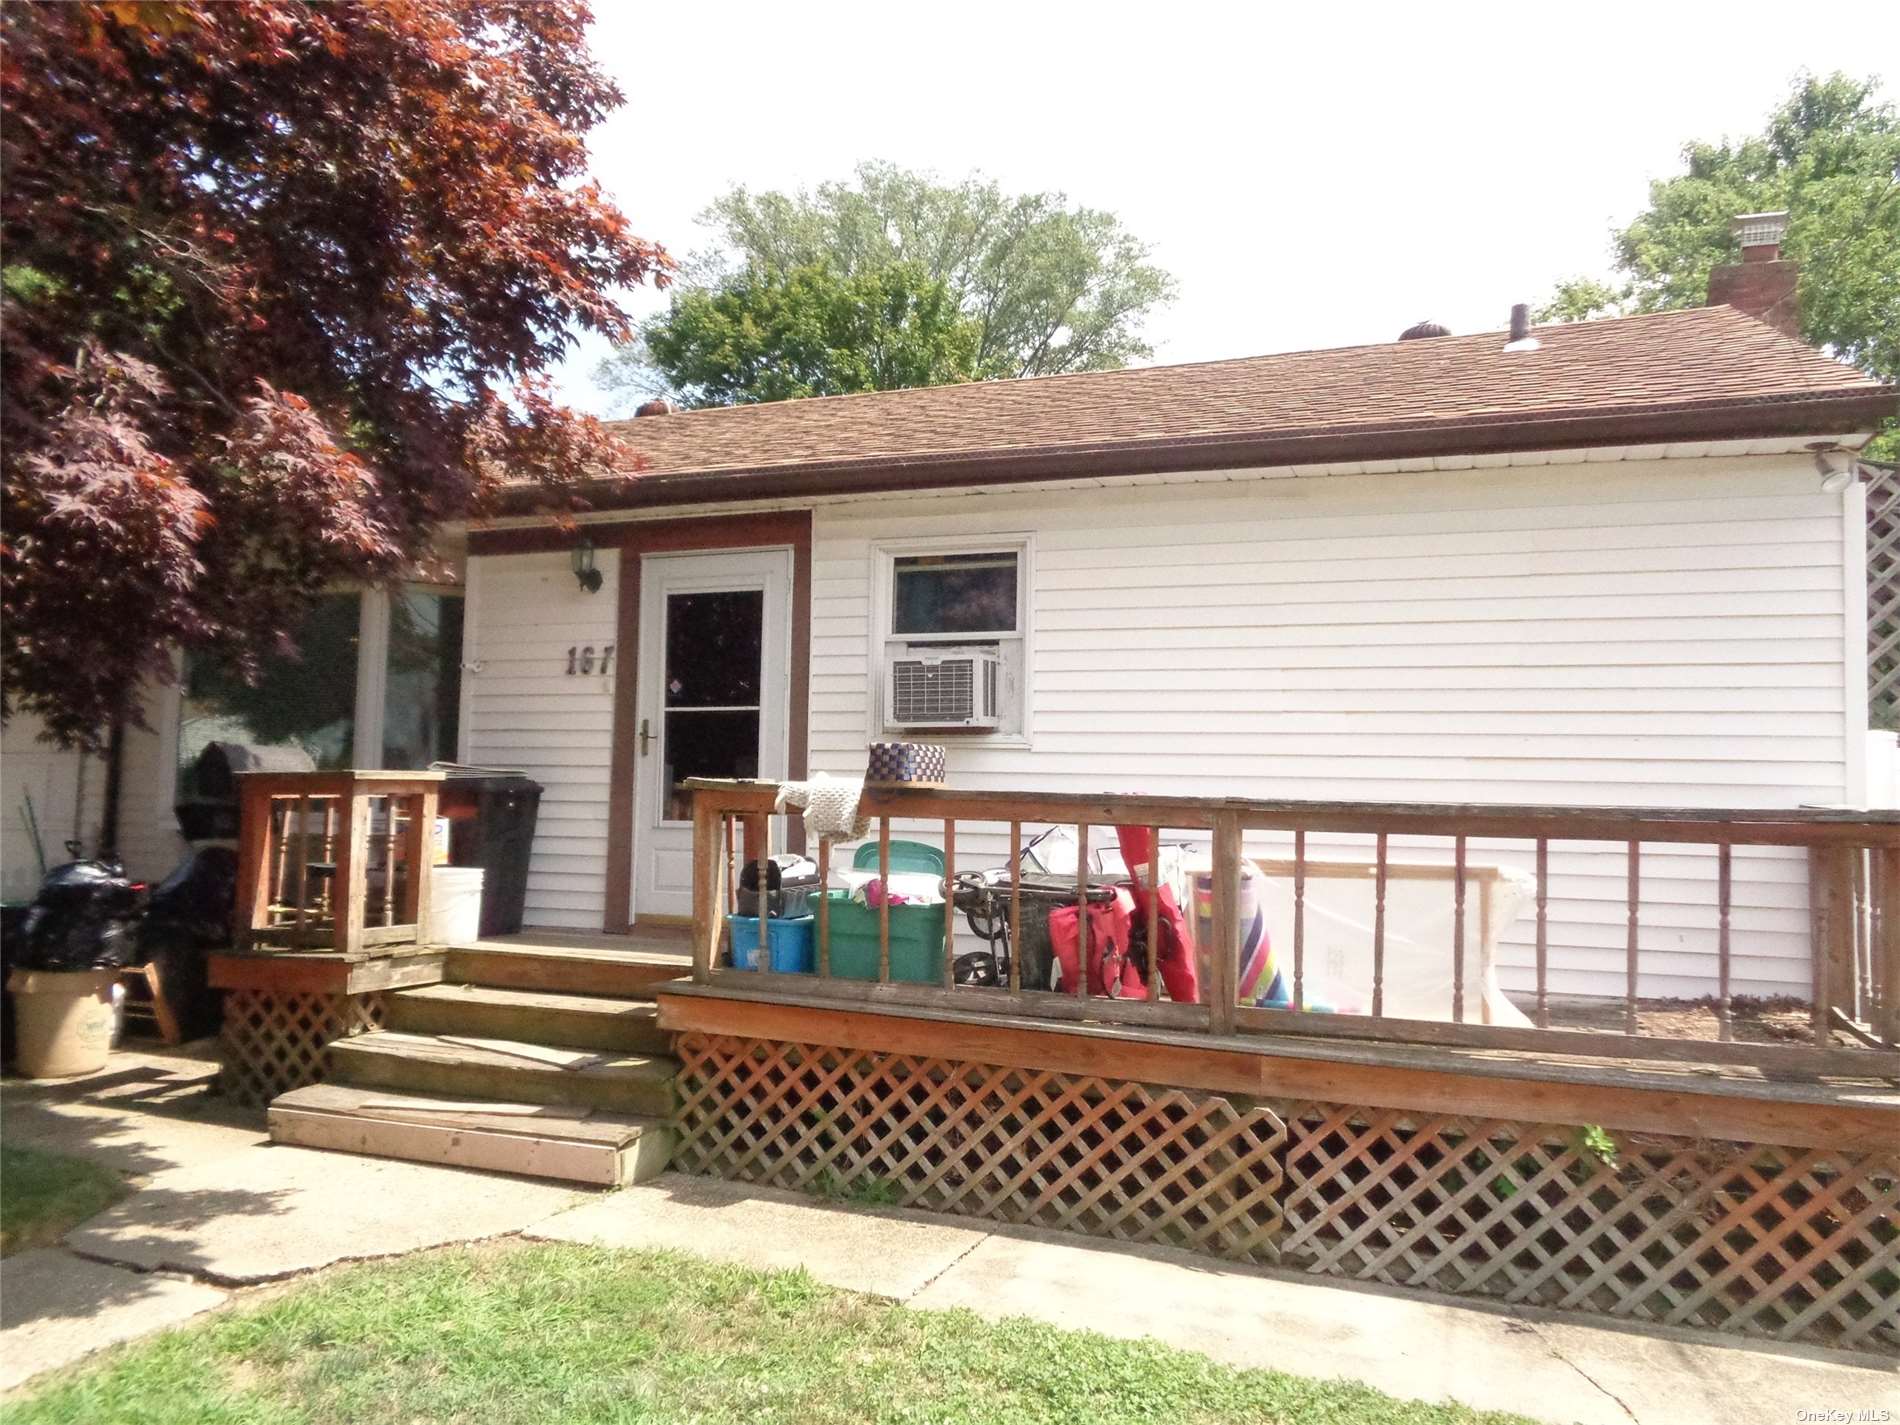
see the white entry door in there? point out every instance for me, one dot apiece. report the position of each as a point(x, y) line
point(714, 694)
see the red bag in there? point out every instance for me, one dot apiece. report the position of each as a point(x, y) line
point(1112, 971)
point(1178, 966)
point(1179, 963)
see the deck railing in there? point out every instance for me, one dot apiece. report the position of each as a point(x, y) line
point(334, 860)
point(1848, 1021)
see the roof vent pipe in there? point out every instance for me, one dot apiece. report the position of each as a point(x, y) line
point(1521, 338)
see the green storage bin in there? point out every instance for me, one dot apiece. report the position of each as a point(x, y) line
point(916, 941)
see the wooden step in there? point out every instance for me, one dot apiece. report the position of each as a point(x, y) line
point(629, 974)
point(425, 1064)
point(583, 1021)
point(606, 1149)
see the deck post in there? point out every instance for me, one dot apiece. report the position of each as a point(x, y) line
point(351, 896)
point(709, 864)
point(257, 815)
point(1224, 966)
point(418, 848)
point(1831, 895)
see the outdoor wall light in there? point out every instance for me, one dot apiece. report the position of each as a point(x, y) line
point(585, 574)
point(1834, 479)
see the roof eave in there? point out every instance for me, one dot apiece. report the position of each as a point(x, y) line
point(1820, 415)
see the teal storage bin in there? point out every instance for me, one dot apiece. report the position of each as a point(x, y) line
point(790, 944)
point(916, 941)
point(907, 858)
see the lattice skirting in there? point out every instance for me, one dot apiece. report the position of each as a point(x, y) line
point(272, 1043)
point(1794, 1244)
point(1115, 1159)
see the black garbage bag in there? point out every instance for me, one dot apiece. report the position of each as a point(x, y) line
point(188, 917)
point(82, 919)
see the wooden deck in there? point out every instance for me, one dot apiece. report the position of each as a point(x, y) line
point(1705, 1101)
point(1724, 1196)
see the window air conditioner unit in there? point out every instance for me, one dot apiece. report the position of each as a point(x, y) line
point(959, 689)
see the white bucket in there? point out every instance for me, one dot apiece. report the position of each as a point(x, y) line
point(455, 905)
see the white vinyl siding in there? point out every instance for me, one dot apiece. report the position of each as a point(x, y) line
point(521, 710)
point(1661, 633)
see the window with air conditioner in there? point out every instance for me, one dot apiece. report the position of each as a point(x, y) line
point(951, 637)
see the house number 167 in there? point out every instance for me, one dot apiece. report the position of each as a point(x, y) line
point(582, 661)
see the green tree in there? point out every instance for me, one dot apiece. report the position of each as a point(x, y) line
point(1049, 287)
point(766, 336)
point(1830, 156)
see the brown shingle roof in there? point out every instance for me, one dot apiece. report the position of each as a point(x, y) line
point(1729, 372)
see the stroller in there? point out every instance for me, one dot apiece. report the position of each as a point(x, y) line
point(1043, 883)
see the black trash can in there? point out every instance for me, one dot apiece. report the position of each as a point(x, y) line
point(491, 815)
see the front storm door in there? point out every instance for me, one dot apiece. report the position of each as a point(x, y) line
point(714, 686)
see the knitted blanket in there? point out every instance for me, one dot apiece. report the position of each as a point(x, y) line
point(831, 807)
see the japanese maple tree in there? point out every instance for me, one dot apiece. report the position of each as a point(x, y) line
point(279, 283)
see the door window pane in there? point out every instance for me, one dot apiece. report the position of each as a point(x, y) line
point(422, 695)
point(954, 593)
point(714, 667)
point(707, 744)
point(306, 701)
point(713, 648)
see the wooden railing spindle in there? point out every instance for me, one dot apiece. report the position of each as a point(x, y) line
point(732, 864)
point(389, 860)
point(1635, 897)
point(1724, 903)
point(280, 857)
point(824, 907)
point(1458, 932)
point(949, 900)
point(1154, 912)
point(303, 868)
point(1299, 920)
point(1016, 909)
point(1378, 930)
point(1543, 933)
point(1887, 943)
point(764, 906)
point(1082, 909)
point(884, 900)
point(326, 892)
point(1861, 973)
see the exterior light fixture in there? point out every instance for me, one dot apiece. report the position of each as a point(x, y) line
point(585, 574)
point(1833, 480)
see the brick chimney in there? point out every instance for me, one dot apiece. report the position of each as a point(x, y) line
point(1763, 282)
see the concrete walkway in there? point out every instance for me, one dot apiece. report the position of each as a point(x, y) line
point(1542, 1364)
point(218, 1208)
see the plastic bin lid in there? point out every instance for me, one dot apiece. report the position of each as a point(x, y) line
point(908, 856)
point(492, 776)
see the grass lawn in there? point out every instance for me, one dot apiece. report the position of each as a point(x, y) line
point(42, 1194)
point(561, 1335)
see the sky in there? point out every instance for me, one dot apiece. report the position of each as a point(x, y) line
point(1314, 175)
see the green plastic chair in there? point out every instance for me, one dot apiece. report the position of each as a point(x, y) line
point(906, 857)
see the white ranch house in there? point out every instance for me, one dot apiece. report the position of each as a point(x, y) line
point(1623, 566)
